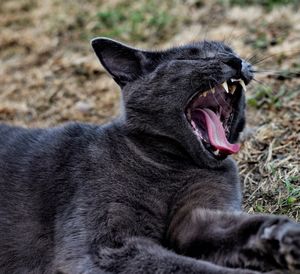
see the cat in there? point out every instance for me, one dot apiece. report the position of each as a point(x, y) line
point(155, 190)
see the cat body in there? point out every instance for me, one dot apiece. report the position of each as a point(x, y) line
point(142, 194)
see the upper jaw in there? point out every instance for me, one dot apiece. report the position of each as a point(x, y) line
point(221, 100)
point(228, 86)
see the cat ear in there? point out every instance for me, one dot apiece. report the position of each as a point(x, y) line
point(124, 63)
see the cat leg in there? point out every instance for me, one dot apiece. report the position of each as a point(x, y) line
point(282, 238)
point(263, 242)
point(143, 256)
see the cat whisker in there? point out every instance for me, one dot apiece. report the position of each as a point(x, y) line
point(274, 54)
point(261, 83)
point(280, 74)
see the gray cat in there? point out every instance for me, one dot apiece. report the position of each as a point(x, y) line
point(154, 191)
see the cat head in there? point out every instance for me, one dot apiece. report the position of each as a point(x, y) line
point(193, 95)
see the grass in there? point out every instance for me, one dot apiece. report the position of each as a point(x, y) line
point(270, 158)
point(135, 21)
point(293, 190)
point(49, 74)
point(268, 4)
point(265, 97)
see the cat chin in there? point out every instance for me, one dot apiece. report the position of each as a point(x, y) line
point(200, 155)
point(207, 159)
point(204, 157)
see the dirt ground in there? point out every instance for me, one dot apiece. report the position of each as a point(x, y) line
point(49, 74)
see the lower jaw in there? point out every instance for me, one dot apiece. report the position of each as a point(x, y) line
point(216, 155)
point(209, 148)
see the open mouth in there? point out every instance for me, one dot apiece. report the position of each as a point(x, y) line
point(211, 115)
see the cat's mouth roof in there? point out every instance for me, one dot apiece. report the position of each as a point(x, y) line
point(211, 114)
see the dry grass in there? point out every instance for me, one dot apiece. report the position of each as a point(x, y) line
point(49, 75)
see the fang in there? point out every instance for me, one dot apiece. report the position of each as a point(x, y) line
point(242, 83)
point(225, 86)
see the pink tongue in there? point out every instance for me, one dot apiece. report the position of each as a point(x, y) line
point(216, 133)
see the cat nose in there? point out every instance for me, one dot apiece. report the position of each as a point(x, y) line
point(233, 62)
point(243, 69)
point(246, 71)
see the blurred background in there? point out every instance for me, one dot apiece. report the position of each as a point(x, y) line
point(49, 74)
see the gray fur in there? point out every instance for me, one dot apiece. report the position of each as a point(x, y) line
point(140, 194)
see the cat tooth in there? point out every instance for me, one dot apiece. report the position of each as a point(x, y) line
point(193, 124)
point(225, 86)
point(242, 83)
point(213, 90)
point(217, 152)
point(232, 89)
point(234, 80)
point(204, 93)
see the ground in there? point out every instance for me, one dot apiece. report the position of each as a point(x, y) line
point(49, 74)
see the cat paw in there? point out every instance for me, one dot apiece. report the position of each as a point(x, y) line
point(281, 239)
